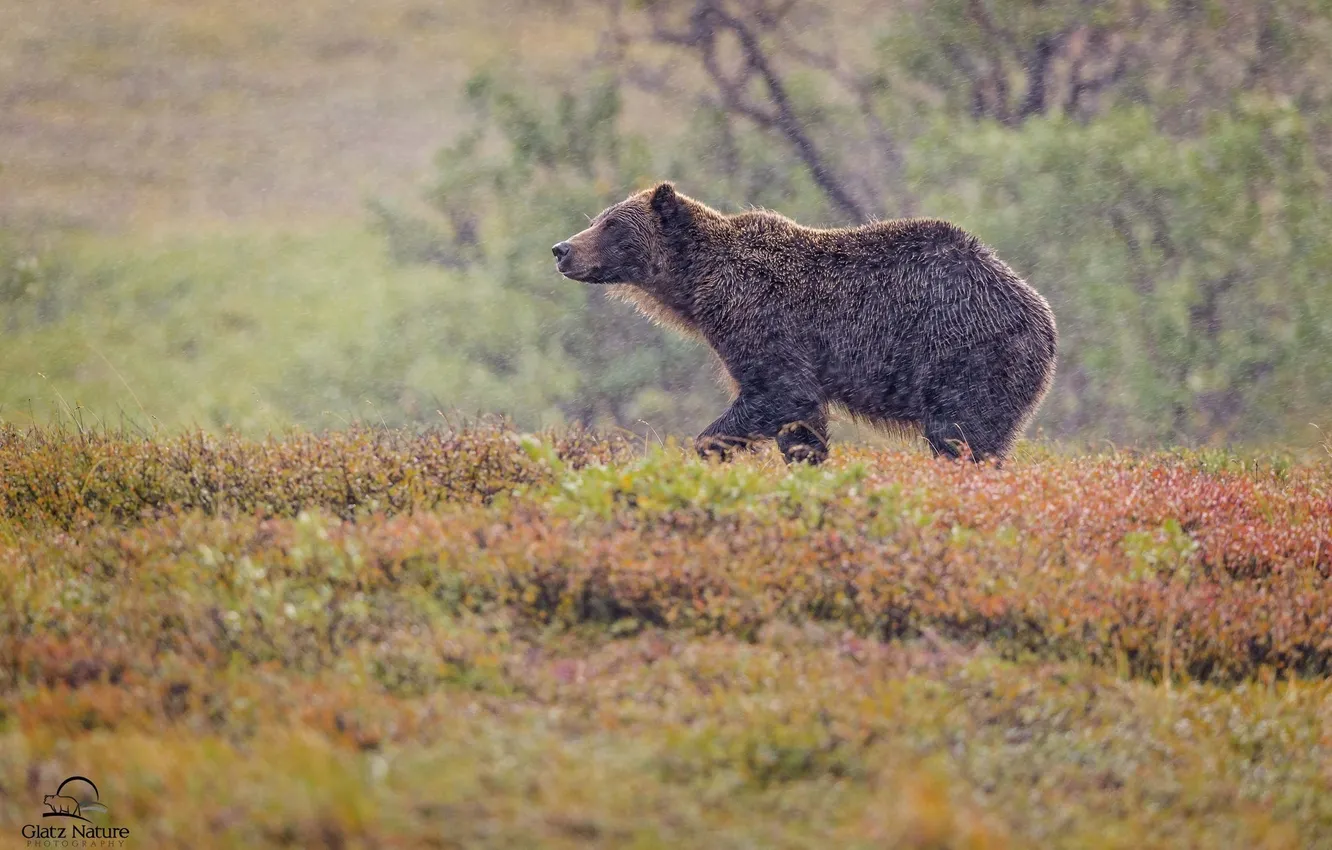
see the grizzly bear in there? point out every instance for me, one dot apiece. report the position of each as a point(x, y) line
point(901, 321)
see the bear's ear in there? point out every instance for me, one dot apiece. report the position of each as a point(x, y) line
point(666, 204)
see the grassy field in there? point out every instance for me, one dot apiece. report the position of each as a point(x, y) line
point(479, 638)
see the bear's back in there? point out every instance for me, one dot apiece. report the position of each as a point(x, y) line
point(821, 265)
point(884, 311)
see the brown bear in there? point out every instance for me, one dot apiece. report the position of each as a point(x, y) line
point(906, 321)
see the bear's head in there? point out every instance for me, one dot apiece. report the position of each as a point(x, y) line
point(628, 242)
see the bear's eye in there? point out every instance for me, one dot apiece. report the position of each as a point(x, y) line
point(611, 224)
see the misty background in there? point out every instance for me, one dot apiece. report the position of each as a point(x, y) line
point(256, 215)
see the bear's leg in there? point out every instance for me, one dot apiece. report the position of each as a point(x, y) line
point(722, 446)
point(952, 437)
point(805, 440)
point(948, 438)
point(733, 430)
point(752, 418)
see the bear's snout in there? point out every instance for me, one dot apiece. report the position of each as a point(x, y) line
point(565, 262)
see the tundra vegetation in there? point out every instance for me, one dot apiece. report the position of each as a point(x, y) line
point(477, 637)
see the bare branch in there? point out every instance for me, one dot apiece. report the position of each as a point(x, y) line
point(785, 120)
point(1039, 66)
point(1092, 85)
point(994, 37)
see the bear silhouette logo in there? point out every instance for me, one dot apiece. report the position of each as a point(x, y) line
point(61, 805)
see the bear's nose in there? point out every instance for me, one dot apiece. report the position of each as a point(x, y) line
point(561, 250)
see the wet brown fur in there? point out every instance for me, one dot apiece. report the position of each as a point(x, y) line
point(910, 320)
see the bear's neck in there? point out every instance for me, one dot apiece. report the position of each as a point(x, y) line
point(690, 257)
point(659, 311)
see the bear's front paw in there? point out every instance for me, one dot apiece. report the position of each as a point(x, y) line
point(716, 446)
point(805, 453)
